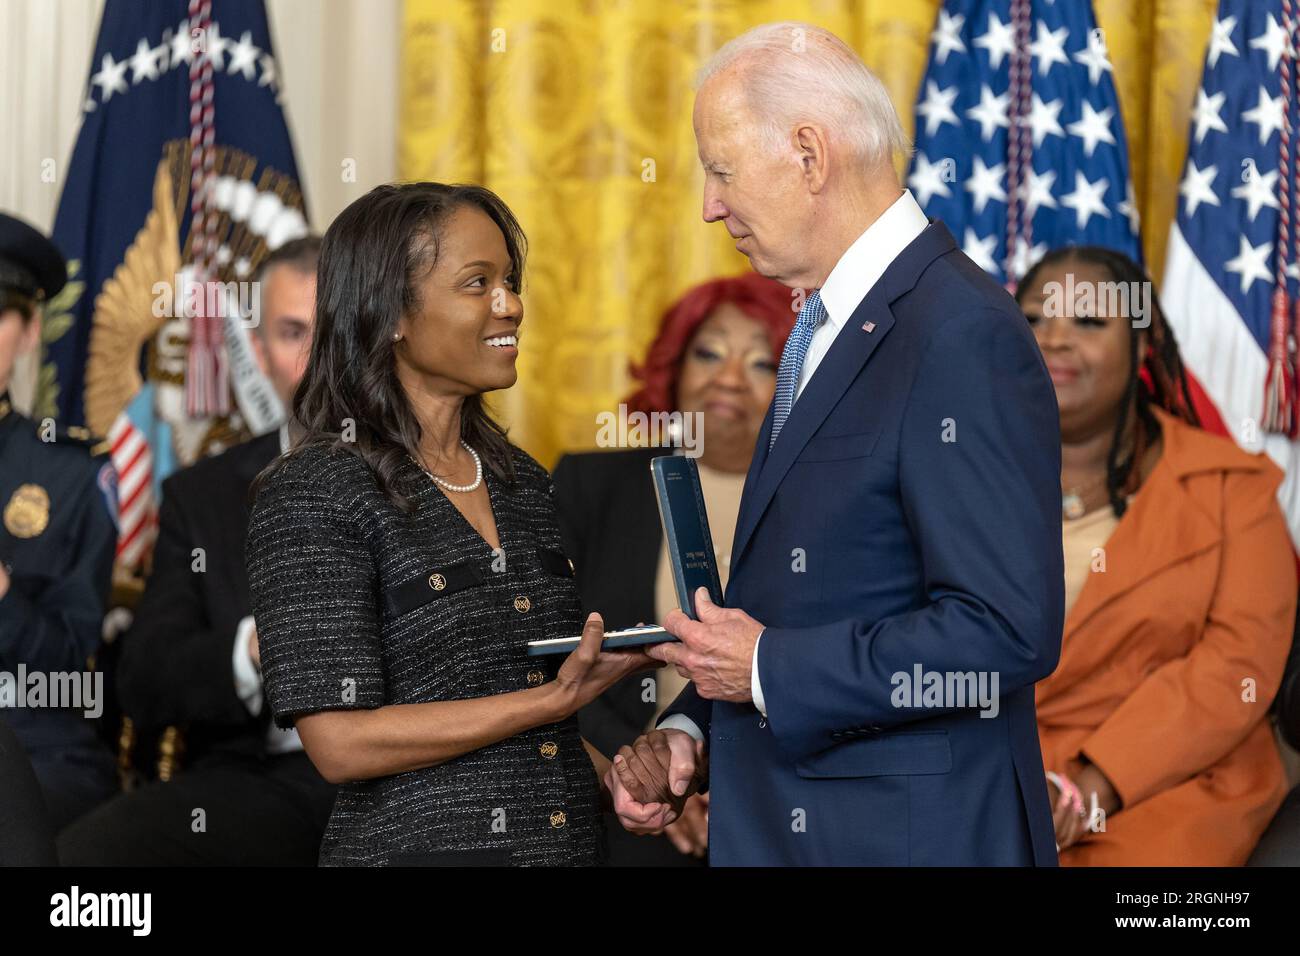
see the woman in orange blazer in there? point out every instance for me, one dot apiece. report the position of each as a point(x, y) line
point(1180, 592)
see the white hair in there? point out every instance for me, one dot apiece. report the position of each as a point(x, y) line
point(795, 71)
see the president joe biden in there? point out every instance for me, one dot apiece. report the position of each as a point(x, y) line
point(900, 520)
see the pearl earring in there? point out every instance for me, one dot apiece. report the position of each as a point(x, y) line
point(397, 336)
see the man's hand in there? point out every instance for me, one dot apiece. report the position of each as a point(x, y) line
point(716, 652)
point(255, 651)
point(651, 779)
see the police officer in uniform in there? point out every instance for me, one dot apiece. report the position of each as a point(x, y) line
point(57, 539)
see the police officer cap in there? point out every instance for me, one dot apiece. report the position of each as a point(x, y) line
point(29, 263)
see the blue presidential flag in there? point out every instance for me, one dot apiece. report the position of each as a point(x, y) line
point(1022, 152)
point(181, 180)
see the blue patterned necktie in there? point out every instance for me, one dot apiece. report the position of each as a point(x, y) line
point(796, 347)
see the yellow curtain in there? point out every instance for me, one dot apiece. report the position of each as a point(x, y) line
point(578, 113)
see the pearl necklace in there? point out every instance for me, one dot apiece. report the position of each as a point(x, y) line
point(478, 472)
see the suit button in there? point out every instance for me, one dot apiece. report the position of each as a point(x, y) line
point(549, 749)
point(522, 604)
point(437, 582)
point(762, 722)
point(535, 678)
point(558, 819)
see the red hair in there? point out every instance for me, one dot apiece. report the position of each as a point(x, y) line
point(764, 300)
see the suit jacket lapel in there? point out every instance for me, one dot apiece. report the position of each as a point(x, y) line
point(852, 347)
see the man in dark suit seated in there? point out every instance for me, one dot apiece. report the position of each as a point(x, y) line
point(247, 794)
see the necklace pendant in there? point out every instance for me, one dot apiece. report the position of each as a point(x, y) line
point(1072, 506)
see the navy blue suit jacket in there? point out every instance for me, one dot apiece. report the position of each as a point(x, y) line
point(908, 515)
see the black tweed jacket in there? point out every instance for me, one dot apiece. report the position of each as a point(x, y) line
point(360, 606)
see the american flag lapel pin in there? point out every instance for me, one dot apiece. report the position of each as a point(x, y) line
point(868, 326)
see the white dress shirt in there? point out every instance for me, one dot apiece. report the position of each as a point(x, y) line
point(248, 680)
point(856, 273)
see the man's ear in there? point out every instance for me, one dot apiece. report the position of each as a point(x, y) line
point(811, 143)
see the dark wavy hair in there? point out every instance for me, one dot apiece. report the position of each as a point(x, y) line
point(764, 300)
point(372, 259)
point(1155, 378)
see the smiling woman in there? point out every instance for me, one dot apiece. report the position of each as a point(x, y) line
point(402, 555)
point(1158, 754)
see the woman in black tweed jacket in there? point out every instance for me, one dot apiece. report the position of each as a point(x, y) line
point(402, 555)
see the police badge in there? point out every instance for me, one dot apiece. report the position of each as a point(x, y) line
point(28, 511)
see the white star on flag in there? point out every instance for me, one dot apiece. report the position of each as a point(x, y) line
point(1128, 207)
point(1250, 262)
point(1026, 256)
point(217, 45)
point(927, 178)
point(1206, 114)
point(144, 64)
point(1049, 48)
point(1266, 114)
point(947, 36)
point(1086, 200)
point(1093, 127)
point(1043, 119)
point(243, 57)
point(1272, 41)
point(1040, 191)
point(980, 250)
point(985, 184)
point(991, 112)
point(1198, 187)
point(1257, 189)
point(111, 77)
point(1094, 57)
point(937, 108)
point(182, 45)
point(999, 40)
point(269, 76)
point(1221, 40)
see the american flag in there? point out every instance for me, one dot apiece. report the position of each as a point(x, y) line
point(1019, 141)
point(137, 513)
point(1230, 274)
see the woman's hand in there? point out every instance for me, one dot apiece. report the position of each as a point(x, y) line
point(588, 672)
point(1097, 790)
point(1070, 819)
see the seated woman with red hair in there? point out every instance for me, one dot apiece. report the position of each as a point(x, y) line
point(714, 359)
